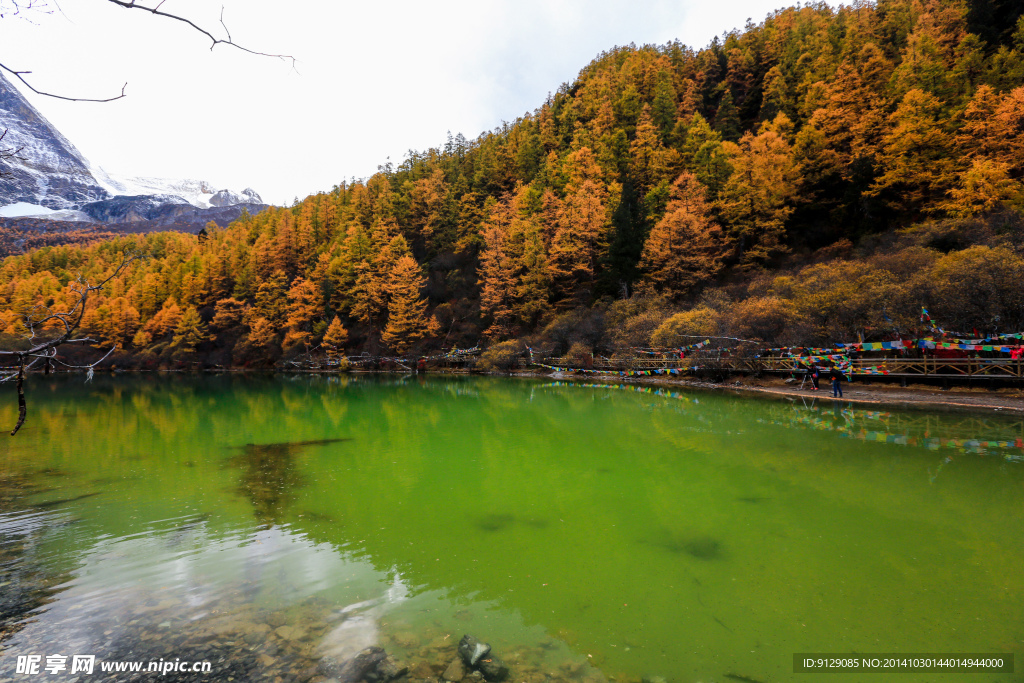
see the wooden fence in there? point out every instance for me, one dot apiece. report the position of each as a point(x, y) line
point(961, 368)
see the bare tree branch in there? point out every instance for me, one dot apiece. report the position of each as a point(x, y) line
point(90, 366)
point(20, 5)
point(14, 8)
point(22, 406)
point(214, 40)
point(19, 75)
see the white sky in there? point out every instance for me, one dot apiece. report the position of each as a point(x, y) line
point(373, 80)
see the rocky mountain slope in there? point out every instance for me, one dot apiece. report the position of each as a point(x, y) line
point(47, 169)
point(48, 174)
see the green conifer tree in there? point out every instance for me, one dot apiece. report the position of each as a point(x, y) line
point(190, 332)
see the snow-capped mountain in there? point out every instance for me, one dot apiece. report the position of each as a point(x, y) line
point(229, 198)
point(47, 169)
point(48, 177)
point(198, 193)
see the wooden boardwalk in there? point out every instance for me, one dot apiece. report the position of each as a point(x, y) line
point(960, 368)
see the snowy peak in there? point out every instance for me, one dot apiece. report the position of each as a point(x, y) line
point(47, 169)
point(229, 198)
point(49, 174)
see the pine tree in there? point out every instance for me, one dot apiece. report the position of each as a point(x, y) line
point(262, 333)
point(582, 234)
point(165, 321)
point(757, 199)
point(271, 299)
point(121, 321)
point(740, 74)
point(970, 65)
point(343, 270)
point(370, 293)
point(727, 119)
point(704, 156)
point(993, 128)
point(304, 305)
point(917, 160)
point(141, 339)
point(776, 99)
point(690, 101)
point(336, 335)
point(407, 318)
point(687, 246)
point(648, 159)
point(983, 188)
point(228, 314)
point(663, 109)
point(190, 332)
point(496, 271)
point(534, 289)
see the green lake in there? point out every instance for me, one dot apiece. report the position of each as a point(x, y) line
point(587, 532)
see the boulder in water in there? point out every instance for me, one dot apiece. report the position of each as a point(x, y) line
point(472, 650)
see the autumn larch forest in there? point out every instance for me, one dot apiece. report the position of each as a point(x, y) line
point(818, 176)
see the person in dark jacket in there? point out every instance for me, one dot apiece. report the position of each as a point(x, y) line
point(837, 376)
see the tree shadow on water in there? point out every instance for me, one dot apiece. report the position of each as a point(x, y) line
point(705, 548)
point(270, 476)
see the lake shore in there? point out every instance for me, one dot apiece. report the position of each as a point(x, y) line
point(860, 392)
point(914, 395)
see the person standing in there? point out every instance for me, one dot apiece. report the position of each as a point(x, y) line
point(837, 376)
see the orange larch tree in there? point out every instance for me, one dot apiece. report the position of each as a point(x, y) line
point(686, 247)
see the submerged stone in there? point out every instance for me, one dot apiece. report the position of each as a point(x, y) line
point(422, 670)
point(703, 548)
point(386, 670)
point(493, 669)
point(472, 650)
point(455, 672)
point(372, 664)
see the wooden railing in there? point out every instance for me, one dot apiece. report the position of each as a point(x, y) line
point(981, 368)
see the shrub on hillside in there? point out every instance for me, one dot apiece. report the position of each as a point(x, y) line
point(979, 287)
point(631, 322)
point(502, 357)
point(687, 327)
point(766, 318)
point(580, 355)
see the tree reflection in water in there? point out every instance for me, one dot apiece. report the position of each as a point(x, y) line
point(270, 476)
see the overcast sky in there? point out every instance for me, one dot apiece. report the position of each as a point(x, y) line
point(372, 79)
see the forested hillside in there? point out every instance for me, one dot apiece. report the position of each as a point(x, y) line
point(822, 174)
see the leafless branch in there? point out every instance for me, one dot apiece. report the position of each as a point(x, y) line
point(214, 40)
point(85, 367)
point(21, 5)
point(19, 75)
point(22, 405)
point(14, 8)
point(69, 320)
